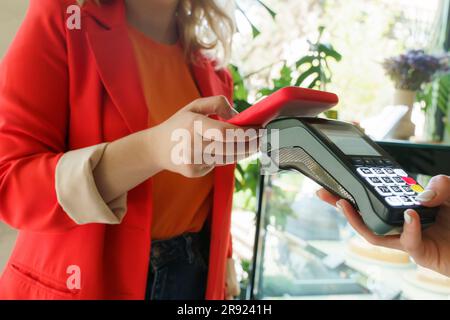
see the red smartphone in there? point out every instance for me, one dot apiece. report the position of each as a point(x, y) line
point(289, 101)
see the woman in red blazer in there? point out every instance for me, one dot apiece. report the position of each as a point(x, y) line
point(77, 156)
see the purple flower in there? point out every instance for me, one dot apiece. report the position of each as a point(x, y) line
point(412, 69)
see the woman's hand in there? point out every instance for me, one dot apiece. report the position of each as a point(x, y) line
point(131, 160)
point(214, 147)
point(429, 248)
point(232, 288)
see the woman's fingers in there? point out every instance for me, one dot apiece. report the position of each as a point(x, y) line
point(223, 143)
point(217, 105)
point(355, 220)
point(216, 130)
point(231, 148)
point(411, 238)
point(327, 196)
point(219, 153)
point(437, 192)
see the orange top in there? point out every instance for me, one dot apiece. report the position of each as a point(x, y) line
point(180, 204)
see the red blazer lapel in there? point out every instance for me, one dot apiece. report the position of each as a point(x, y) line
point(108, 39)
point(210, 83)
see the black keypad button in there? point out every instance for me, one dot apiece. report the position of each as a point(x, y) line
point(378, 170)
point(406, 200)
point(408, 190)
point(358, 162)
point(387, 162)
point(383, 190)
point(368, 162)
point(397, 189)
point(374, 181)
point(398, 180)
point(394, 201)
point(387, 180)
point(379, 162)
point(400, 172)
point(364, 171)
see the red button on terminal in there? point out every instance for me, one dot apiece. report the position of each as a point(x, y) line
point(409, 180)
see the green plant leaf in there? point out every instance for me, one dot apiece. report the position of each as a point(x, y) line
point(285, 78)
point(240, 92)
point(329, 51)
point(255, 31)
point(302, 77)
point(314, 83)
point(321, 29)
point(304, 60)
point(271, 12)
point(442, 97)
point(237, 185)
point(241, 105)
point(266, 91)
point(235, 73)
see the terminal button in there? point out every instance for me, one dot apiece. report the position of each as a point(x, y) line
point(400, 172)
point(388, 181)
point(390, 172)
point(383, 190)
point(378, 171)
point(394, 201)
point(409, 180)
point(358, 162)
point(407, 201)
point(399, 180)
point(407, 190)
point(365, 172)
point(417, 188)
point(375, 181)
point(396, 190)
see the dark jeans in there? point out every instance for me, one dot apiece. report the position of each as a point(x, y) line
point(178, 268)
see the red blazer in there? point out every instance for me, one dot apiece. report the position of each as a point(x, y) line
point(66, 89)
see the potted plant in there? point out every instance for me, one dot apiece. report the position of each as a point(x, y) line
point(409, 71)
point(435, 101)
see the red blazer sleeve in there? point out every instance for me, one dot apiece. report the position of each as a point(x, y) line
point(34, 112)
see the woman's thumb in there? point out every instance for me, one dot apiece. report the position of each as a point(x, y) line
point(437, 192)
point(411, 238)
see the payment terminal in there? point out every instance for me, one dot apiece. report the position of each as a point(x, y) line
point(346, 162)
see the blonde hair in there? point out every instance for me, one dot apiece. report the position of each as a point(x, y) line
point(204, 26)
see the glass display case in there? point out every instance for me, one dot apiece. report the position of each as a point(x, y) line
point(305, 249)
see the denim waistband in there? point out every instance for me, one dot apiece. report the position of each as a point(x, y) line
point(185, 246)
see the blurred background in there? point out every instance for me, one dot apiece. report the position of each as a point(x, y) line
point(387, 61)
